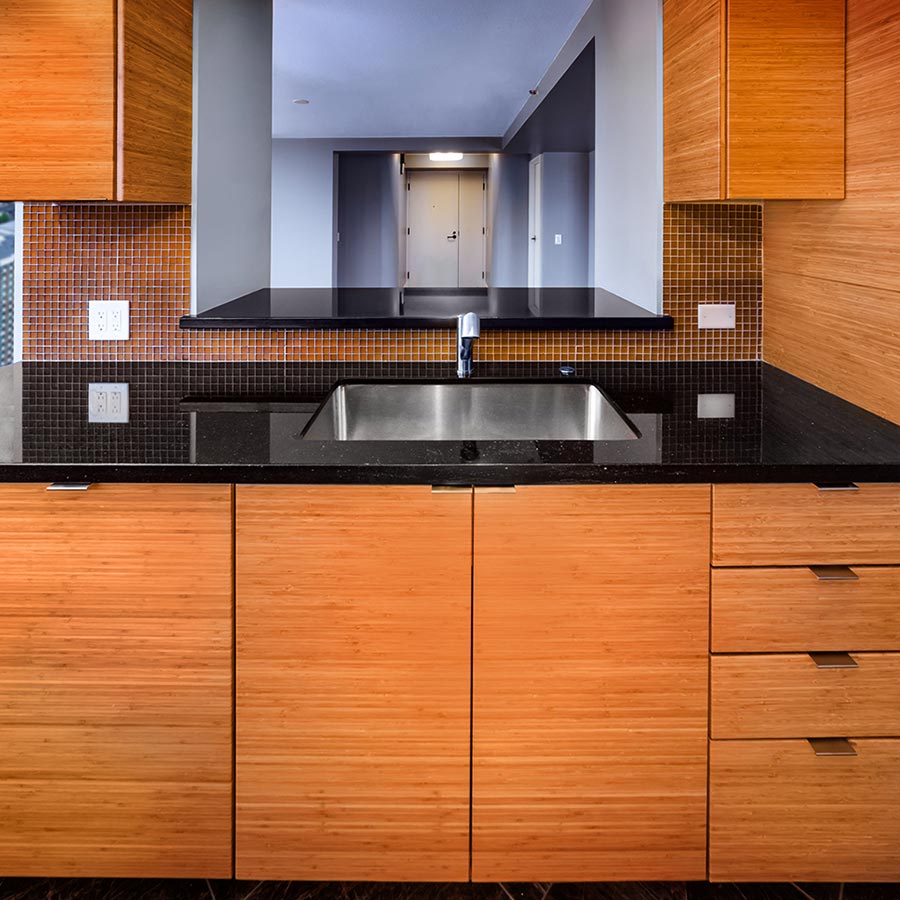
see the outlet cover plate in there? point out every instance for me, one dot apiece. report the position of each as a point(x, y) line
point(108, 320)
point(716, 315)
point(107, 402)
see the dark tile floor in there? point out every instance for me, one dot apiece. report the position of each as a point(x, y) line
point(125, 889)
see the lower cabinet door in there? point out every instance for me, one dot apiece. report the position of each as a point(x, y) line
point(115, 681)
point(353, 683)
point(590, 675)
point(779, 812)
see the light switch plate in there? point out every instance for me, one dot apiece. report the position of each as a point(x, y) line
point(108, 320)
point(715, 406)
point(716, 315)
point(557, 239)
point(107, 402)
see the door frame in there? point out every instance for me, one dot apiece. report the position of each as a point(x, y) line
point(535, 221)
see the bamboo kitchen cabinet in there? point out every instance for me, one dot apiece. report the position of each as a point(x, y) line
point(97, 99)
point(353, 683)
point(115, 681)
point(753, 99)
point(562, 630)
point(805, 683)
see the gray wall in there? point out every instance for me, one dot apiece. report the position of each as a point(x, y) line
point(565, 202)
point(369, 194)
point(232, 150)
point(507, 221)
point(628, 255)
point(628, 145)
point(303, 202)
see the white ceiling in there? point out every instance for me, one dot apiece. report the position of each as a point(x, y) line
point(411, 68)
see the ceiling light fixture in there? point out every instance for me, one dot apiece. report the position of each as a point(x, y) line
point(302, 102)
point(445, 157)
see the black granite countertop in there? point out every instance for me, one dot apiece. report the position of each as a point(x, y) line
point(517, 308)
point(242, 422)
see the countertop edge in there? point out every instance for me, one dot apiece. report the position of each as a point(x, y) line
point(188, 473)
point(548, 323)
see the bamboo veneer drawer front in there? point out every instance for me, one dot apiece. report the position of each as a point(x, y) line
point(767, 610)
point(115, 681)
point(779, 812)
point(353, 682)
point(802, 525)
point(799, 695)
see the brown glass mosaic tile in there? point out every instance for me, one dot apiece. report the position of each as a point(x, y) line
point(75, 253)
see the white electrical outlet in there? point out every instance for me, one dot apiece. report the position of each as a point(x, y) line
point(715, 315)
point(107, 403)
point(108, 320)
point(715, 406)
point(557, 239)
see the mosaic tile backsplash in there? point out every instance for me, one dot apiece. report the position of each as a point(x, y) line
point(75, 253)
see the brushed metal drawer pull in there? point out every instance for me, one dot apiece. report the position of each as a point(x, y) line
point(834, 661)
point(68, 486)
point(832, 747)
point(451, 488)
point(843, 486)
point(834, 573)
point(496, 489)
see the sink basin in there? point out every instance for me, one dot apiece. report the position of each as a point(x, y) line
point(468, 411)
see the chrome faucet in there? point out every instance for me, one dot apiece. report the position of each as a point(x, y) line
point(468, 328)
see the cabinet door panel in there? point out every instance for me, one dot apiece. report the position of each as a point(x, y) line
point(590, 683)
point(115, 681)
point(693, 89)
point(786, 99)
point(59, 99)
point(353, 683)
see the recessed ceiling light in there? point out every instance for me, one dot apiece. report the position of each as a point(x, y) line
point(445, 157)
point(302, 102)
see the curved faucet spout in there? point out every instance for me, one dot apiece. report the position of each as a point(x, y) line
point(468, 329)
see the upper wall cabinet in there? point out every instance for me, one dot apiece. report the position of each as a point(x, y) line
point(753, 99)
point(96, 100)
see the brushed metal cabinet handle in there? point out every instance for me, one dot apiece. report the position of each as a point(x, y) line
point(496, 489)
point(68, 486)
point(842, 486)
point(834, 573)
point(834, 661)
point(832, 747)
point(451, 488)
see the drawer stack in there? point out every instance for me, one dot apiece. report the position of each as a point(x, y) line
point(805, 683)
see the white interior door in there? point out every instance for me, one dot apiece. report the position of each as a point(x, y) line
point(445, 228)
point(472, 215)
point(535, 221)
point(433, 224)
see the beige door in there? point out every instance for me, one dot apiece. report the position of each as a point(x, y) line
point(446, 228)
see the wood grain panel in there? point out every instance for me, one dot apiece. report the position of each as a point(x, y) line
point(797, 524)
point(787, 696)
point(780, 813)
point(590, 683)
point(770, 610)
point(353, 689)
point(58, 125)
point(154, 101)
point(693, 85)
point(785, 87)
point(115, 681)
point(831, 281)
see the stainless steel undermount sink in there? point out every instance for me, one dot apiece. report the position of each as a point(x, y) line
point(468, 411)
